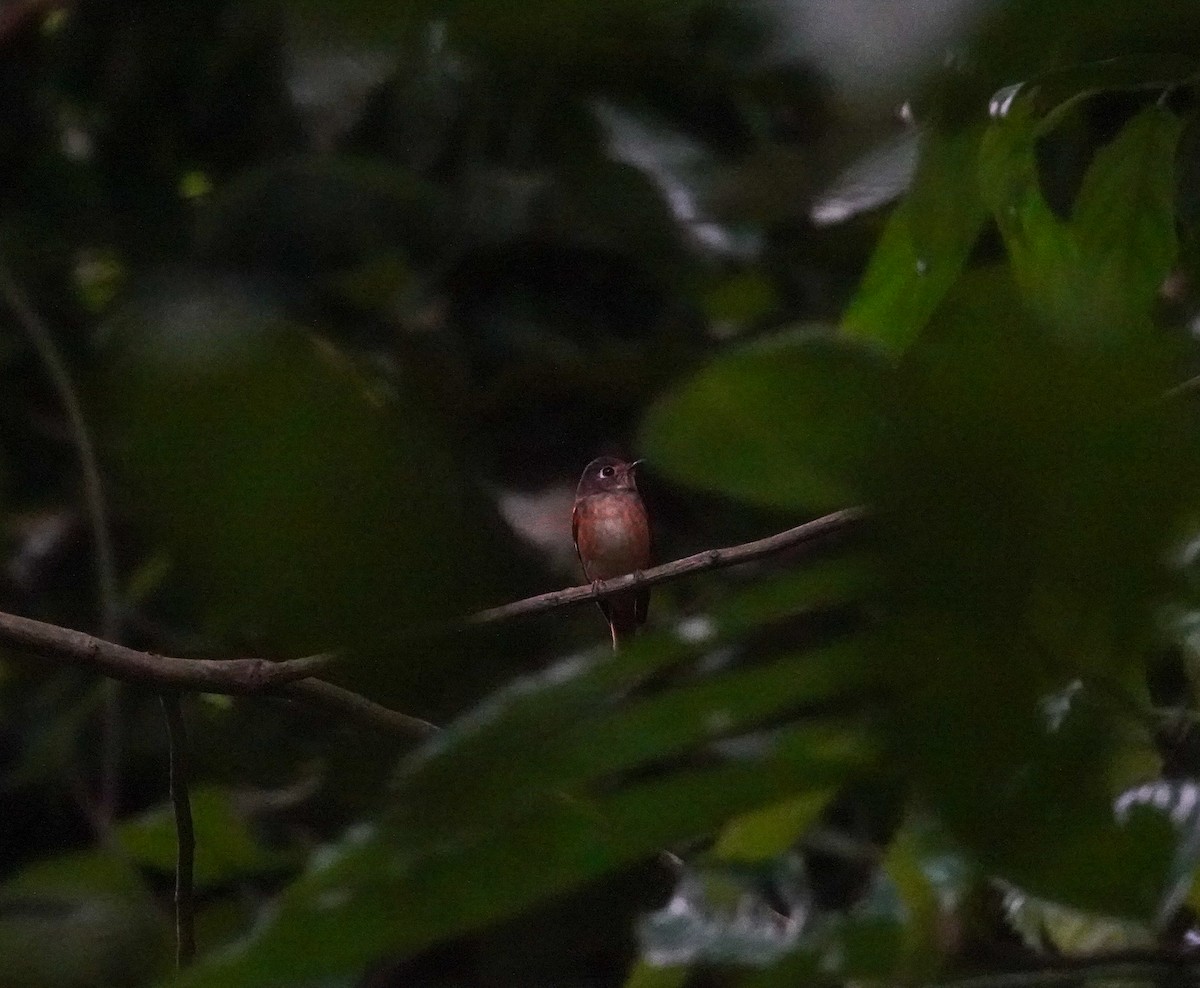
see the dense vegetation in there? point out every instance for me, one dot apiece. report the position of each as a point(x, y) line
point(311, 317)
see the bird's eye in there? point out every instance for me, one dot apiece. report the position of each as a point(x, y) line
point(607, 471)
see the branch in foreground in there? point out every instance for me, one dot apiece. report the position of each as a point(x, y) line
point(809, 534)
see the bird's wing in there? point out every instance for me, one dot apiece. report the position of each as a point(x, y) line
point(575, 529)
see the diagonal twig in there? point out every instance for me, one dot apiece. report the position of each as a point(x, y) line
point(318, 692)
point(229, 676)
point(295, 679)
point(809, 535)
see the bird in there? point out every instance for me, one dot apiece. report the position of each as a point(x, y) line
point(612, 538)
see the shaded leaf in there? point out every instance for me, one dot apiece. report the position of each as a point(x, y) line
point(771, 831)
point(1097, 275)
point(470, 780)
point(787, 423)
point(925, 244)
point(80, 920)
point(315, 214)
point(302, 510)
point(399, 896)
point(1029, 493)
point(1124, 217)
point(226, 849)
point(1043, 254)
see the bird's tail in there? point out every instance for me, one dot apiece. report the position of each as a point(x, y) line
point(625, 613)
point(621, 634)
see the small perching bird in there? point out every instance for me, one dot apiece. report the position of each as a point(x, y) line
point(612, 537)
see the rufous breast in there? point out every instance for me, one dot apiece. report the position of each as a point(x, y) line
point(613, 534)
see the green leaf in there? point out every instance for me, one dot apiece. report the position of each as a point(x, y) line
point(907, 864)
point(1071, 932)
point(1124, 217)
point(303, 509)
point(1097, 276)
point(1029, 489)
point(770, 831)
point(1043, 254)
point(468, 779)
point(789, 423)
point(401, 896)
point(925, 244)
point(226, 849)
point(80, 919)
point(1049, 97)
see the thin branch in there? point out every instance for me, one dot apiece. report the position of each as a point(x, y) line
point(107, 592)
point(231, 676)
point(185, 834)
point(293, 678)
point(93, 488)
point(809, 535)
point(318, 692)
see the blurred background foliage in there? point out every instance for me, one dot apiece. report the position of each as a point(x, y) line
point(349, 292)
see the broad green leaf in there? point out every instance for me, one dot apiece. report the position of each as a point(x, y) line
point(1095, 277)
point(1030, 488)
point(226, 849)
point(80, 919)
point(1043, 254)
point(492, 780)
point(925, 244)
point(1070, 932)
point(582, 839)
point(771, 831)
point(906, 866)
point(302, 509)
point(1124, 217)
point(840, 581)
point(385, 893)
point(713, 708)
point(787, 423)
point(490, 743)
